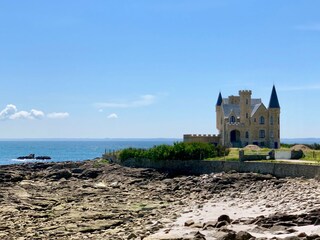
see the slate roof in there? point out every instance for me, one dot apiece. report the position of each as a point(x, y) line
point(274, 102)
point(219, 102)
point(227, 108)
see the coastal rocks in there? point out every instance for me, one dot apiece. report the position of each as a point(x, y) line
point(95, 200)
point(291, 220)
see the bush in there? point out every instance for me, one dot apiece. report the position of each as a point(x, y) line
point(179, 151)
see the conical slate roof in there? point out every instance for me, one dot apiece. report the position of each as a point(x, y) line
point(219, 102)
point(274, 102)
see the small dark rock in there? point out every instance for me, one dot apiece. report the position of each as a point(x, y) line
point(292, 238)
point(313, 237)
point(242, 235)
point(188, 223)
point(209, 225)
point(230, 235)
point(224, 218)
point(132, 236)
point(66, 174)
point(91, 173)
point(222, 224)
point(199, 236)
point(301, 235)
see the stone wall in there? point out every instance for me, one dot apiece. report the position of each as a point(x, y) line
point(204, 138)
point(197, 167)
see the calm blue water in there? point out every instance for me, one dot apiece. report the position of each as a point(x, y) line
point(67, 150)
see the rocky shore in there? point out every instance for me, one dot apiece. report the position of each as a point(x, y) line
point(95, 200)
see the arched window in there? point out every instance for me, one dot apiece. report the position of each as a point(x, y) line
point(261, 120)
point(262, 134)
point(247, 134)
point(232, 119)
point(271, 120)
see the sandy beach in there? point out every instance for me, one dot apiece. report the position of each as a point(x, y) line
point(94, 200)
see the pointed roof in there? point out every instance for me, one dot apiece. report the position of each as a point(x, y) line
point(274, 102)
point(219, 102)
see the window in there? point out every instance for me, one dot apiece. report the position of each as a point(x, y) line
point(271, 120)
point(247, 101)
point(247, 134)
point(232, 119)
point(247, 115)
point(261, 120)
point(255, 120)
point(262, 134)
point(278, 120)
point(271, 134)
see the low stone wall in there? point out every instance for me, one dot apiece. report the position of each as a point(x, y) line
point(205, 138)
point(197, 167)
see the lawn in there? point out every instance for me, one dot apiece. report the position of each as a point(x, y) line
point(233, 156)
point(310, 155)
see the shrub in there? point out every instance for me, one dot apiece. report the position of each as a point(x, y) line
point(179, 151)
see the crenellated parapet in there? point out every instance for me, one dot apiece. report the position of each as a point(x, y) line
point(207, 138)
point(245, 92)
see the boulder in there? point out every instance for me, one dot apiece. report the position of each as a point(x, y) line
point(242, 235)
point(188, 223)
point(224, 218)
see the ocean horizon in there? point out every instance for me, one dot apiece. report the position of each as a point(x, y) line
point(79, 149)
point(68, 149)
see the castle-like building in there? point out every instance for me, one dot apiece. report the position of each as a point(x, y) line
point(242, 120)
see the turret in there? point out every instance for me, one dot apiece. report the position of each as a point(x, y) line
point(274, 119)
point(219, 101)
point(219, 112)
point(245, 106)
point(274, 102)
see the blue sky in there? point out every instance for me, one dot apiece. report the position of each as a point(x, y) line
point(96, 69)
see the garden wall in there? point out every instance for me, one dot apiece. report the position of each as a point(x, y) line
point(197, 167)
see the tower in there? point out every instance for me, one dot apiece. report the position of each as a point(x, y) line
point(245, 106)
point(219, 119)
point(274, 119)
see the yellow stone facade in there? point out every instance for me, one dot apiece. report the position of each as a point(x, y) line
point(243, 120)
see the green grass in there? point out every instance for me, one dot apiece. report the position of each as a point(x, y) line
point(233, 156)
point(100, 162)
point(312, 155)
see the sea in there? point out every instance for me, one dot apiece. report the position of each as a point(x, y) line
point(69, 150)
point(77, 150)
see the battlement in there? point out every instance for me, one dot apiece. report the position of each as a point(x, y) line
point(201, 135)
point(245, 92)
point(206, 138)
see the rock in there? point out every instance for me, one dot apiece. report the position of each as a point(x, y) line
point(291, 238)
point(209, 225)
point(90, 173)
point(242, 235)
point(199, 236)
point(313, 237)
point(222, 224)
point(302, 235)
point(197, 225)
point(224, 218)
point(132, 236)
point(66, 174)
point(188, 223)
point(228, 235)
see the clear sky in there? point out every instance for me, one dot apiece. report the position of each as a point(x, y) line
point(142, 68)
